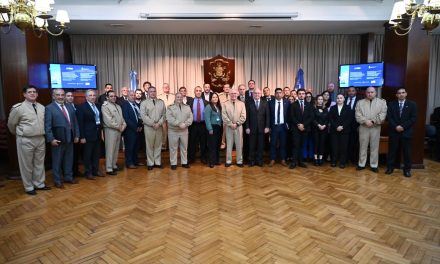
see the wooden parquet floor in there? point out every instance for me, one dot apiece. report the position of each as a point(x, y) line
point(227, 215)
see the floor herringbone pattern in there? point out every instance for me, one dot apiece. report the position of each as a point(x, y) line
point(227, 215)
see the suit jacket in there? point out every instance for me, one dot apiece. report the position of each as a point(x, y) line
point(209, 97)
point(231, 114)
point(354, 124)
point(376, 110)
point(87, 122)
point(121, 100)
point(132, 121)
point(407, 120)
point(298, 117)
point(56, 125)
point(257, 119)
point(343, 119)
point(248, 95)
point(112, 116)
point(435, 118)
point(267, 99)
point(190, 103)
point(286, 106)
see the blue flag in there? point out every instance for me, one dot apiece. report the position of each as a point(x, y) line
point(299, 79)
point(133, 80)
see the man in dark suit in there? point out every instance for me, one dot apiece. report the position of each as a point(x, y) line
point(61, 128)
point(197, 130)
point(353, 138)
point(435, 121)
point(132, 116)
point(257, 125)
point(250, 91)
point(301, 117)
point(124, 96)
point(144, 90)
point(401, 116)
point(103, 97)
point(279, 109)
point(89, 120)
point(188, 100)
point(76, 146)
point(207, 93)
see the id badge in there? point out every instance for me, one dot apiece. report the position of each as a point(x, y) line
point(218, 119)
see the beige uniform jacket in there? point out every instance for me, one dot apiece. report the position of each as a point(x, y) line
point(168, 100)
point(152, 113)
point(223, 98)
point(376, 110)
point(23, 121)
point(112, 116)
point(234, 114)
point(177, 114)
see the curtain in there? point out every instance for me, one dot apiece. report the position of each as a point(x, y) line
point(2, 103)
point(378, 47)
point(271, 60)
point(434, 77)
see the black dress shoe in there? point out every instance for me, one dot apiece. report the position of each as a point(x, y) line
point(186, 166)
point(359, 168)
point(407, 173)
point(228, 165)
point(389, 171)
point(342, 166)
point(112, 173)
point(251, 164)
point(159, 166)
point(116, 169)
point(33, 192)
point(211, 165)
point(292, 165)
point(260, 164)
point(376, 170)
point(316, 162)
point(302, 165)
point(333, 164)
point(150, 167)
point(240, 165)
point(45, 188)
point(173, 167)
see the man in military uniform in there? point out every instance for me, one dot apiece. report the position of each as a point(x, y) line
point(153, 116)
point(114, 125)
point(224, 97)
point(26, 122)
point(168, 99)
point(179, 117)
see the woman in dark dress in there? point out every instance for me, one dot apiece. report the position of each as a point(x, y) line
point(213, 122)
point(320, 125)
point(340, 117)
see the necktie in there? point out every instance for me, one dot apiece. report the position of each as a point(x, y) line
point(400, 108)
point(167, 97)
point(257, 104)
point(35, 108)
point(349, 103)
point(154, 102)
point(302, 106)
point(63, 109)
point(199, 114)
point(180, 107)
point(136, 112)
point(95, 110)
point(279, 113)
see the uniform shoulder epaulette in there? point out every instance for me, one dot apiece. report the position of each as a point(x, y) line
point(16, 105)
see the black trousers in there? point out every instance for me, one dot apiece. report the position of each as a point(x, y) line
point(256, 147)
point(393, 151)
point(339, 147)
point(353, 145)
point(299, 137)
point(214, 142)
point(91, 154)
point(320, 140)
point(76, 151)
point(197, 140)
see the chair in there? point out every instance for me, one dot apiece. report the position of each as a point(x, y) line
point(430, 138)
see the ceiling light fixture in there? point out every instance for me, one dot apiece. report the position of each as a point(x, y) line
point(31, 14)
point(405, 12)
point(217, 16)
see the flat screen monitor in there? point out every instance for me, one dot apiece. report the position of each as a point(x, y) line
point(361, 75)
point(72, 76)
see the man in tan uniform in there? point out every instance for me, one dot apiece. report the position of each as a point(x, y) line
point(114, 125)
point(168, 99)
point(370, 114)
point(224, 97)
point(179, 117)
point(234, 115)
point(26, 122)
point(153, 116)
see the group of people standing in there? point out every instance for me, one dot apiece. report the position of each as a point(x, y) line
point(250, 119)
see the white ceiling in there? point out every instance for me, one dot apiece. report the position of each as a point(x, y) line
point(314, 16)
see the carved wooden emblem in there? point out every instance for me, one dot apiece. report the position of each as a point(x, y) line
point(218, 71)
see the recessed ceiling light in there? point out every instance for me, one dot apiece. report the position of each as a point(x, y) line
point(117, 25)
point(255, 26)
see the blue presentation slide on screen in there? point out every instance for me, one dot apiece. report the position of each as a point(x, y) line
point(72, 76)
point(361, 75)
